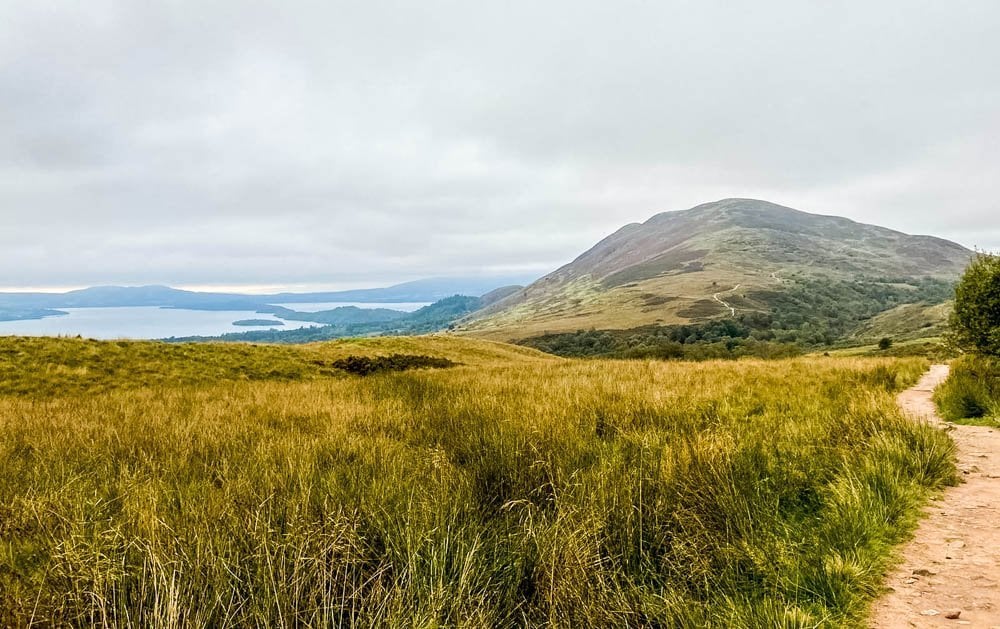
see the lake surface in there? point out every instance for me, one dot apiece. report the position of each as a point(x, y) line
point(158, 323)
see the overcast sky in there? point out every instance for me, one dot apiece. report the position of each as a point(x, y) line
point(334, 144)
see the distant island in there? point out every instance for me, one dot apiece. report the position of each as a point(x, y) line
point(257, 323)
point(25, 314)
point(342, 315)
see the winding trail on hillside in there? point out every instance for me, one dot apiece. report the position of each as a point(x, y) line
point(953, 562)
point(721, 301)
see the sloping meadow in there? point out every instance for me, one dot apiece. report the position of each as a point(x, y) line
point(507, 493)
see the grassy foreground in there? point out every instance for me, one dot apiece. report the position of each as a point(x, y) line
point(169, 486)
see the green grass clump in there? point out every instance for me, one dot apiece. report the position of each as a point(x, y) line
point(971, 394)
point(511, 490)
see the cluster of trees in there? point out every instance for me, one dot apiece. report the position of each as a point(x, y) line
point(975, 320)
point(724, 338)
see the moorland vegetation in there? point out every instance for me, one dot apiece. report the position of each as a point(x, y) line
point(167, 485)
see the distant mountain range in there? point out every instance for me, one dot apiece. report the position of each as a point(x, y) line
point(35, 305)
point(810, 276)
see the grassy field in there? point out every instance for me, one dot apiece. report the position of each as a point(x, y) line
point(45, 367)
point(933, 349)
point(202, 485)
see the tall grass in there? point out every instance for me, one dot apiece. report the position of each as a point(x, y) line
point(971, 394)
point(509, 491)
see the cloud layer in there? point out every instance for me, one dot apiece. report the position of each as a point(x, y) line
point(337, 143)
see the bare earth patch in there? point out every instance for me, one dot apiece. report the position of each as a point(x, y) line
point(952, 565)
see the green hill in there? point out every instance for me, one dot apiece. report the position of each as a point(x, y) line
point(783, 273)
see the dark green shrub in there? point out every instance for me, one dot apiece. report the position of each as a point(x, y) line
point(367, 365)
point(975, 321)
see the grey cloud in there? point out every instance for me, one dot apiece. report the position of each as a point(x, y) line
point(332, 142)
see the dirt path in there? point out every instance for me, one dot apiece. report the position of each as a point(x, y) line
point(953, 562)
point(720, 300)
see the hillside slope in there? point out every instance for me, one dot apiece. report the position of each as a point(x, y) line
point(908, 321)
point(720, 260)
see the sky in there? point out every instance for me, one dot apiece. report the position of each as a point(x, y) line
point(327, 144)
